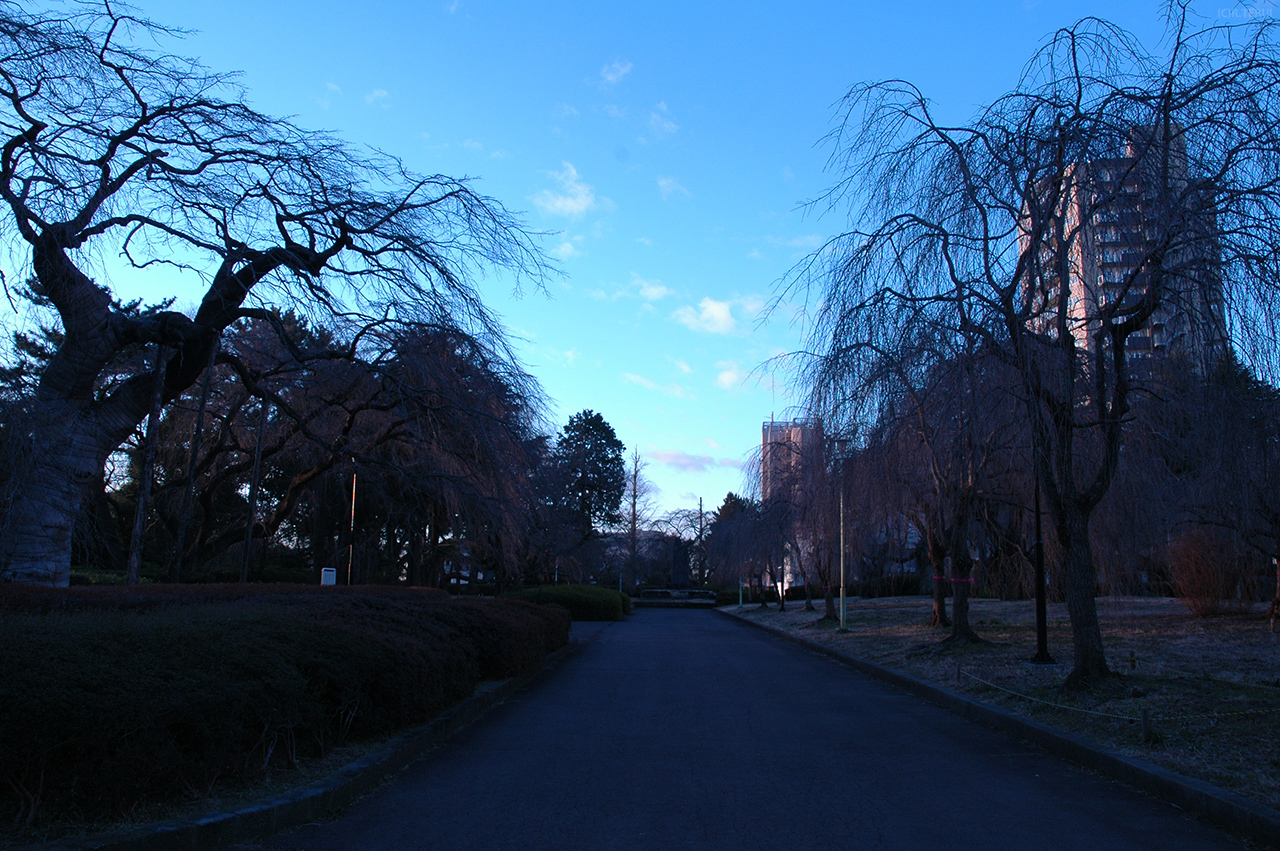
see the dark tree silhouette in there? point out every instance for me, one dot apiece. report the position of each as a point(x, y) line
point(108, 148)
point(593, 471)
point(976, 232)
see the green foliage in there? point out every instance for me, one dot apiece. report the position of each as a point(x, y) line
point(114, 696)
point(590, 456)
point(584, 602)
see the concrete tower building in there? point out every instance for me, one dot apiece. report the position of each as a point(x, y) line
point(1120, 226)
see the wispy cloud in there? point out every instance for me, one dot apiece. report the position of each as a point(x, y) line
point(711, 316)
point(666, 389)
point(326, 100)
point(649, 290)
point(646, 290)
point(682, 366)
point(612, 73)
point(669, 186)
point(566, 111)
point(378, 97)
point(803, 242)
point(565, 250)
point(730, 375)
point(614, 111)
point(661, 124)
point(691, 463)
point(574, 198)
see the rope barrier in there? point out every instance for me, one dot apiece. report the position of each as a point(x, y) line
point(1129, 718)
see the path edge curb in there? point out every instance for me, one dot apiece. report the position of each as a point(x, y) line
point(1220, 806)
point(313, 801)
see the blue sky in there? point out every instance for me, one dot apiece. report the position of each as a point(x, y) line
point(667, 147)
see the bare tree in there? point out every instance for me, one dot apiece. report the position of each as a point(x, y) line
point(986, 232)
point(109, 148)
point(637, 514)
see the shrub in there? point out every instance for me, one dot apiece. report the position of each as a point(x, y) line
point(1210, 574)
point(114, 696)
point(729, 596)
point(584, 602)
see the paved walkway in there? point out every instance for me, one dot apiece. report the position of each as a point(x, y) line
point(683, 729)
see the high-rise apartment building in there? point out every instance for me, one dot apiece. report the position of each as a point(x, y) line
point(782, 446)
point(1122, 220)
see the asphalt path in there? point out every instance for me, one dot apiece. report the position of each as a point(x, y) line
point(684, 729)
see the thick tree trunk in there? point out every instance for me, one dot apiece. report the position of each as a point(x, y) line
point(938, 562)
point(831, 613)
point(66, 458)
point(1079, 579)
point(962, 587)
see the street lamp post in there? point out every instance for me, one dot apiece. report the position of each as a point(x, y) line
point(1042, 656)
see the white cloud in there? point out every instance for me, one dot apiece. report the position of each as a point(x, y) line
point(614, 111)
point(473, 145)
point(682, 366)
point(753, 304)
point(730, 374)
point(326, 100)
point(574, 198)
point(691, 463)
point(614, 71)
point(377, 97)
point(644, 240)
point(565, 110)
point(804, 242)
point(650, 290)
point(714, 317)
point(660, 123)
point(451, 8)
point(565, 250)
point(669, 186)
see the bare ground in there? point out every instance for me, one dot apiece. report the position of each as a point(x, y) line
point(1211, 686)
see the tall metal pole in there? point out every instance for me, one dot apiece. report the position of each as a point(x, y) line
point(188, 489)
point(246, 556)
point(844, 608)
point(1042, 656)
point(133, 569)
point(351, 538)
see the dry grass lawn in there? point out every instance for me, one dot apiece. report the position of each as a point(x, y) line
point(1210, 685)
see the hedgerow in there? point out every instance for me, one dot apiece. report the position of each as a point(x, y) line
point(111, 699)
point(584, 602)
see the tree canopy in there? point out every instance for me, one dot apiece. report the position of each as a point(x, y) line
point(113, 152)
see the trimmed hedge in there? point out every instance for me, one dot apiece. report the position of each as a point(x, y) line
point(111, 697)
point(584, 602)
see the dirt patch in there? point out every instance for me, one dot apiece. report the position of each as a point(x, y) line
point(1210, 686)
